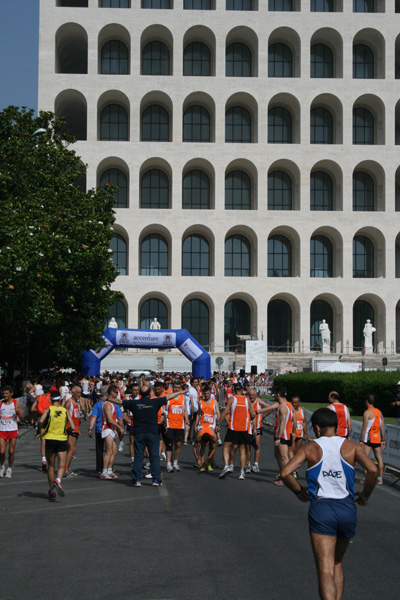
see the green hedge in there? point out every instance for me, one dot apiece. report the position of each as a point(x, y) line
point(352, 387)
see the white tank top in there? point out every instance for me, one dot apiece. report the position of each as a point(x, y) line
point(332, 477)
point(8, 416)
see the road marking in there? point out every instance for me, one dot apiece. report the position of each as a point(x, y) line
point(83, 504)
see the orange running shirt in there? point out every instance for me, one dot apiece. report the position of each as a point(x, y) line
point(287, 432)
point(174, 413)
point(43, 403)
point(373, 432)
point(239, 419)
point(300, 418)
point(341, 413)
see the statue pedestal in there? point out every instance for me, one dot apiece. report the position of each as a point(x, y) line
point(369, 350)
point(326, 350)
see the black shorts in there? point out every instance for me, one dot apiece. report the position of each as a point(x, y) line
point(161, 430)
point(56, 446)
point(259, 431)
point(130, 429)
point(372, 445)
point(193, 416)
point(285, 442)
point(237, 438)
point(174, 435)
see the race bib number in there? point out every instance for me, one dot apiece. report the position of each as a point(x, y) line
point(76, 413)
point(177, 410)
point(208, 419)
point(299, 425)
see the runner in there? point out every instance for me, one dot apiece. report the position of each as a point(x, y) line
point(301, 423)
point(257, 405)
point(41, 403)
point(9, 410)
point(206, 429)
point(239, 411)
point(55, 419)
point(73, 407)
point(285, 425)
point(159, 393)
point(96, 417)
point(373, 434)
point(343, 415)
point(109, 429)
point(332, 514)
point(176, 417)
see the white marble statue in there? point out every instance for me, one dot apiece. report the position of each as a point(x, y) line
point(368, 331)
point(325, 335)
point(155, 324)
point(113, 323)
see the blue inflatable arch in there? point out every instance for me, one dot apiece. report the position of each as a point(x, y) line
point(149, 338)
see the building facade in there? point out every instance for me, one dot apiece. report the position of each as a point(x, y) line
point(255, 146)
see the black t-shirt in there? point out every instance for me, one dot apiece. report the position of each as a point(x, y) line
point(145, 413)
point(396, 398)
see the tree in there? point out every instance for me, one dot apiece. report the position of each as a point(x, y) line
point(55, 263)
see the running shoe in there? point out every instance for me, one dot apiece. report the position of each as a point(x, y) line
point(155, 484)
point(113, 475)
point(44, 467)
point(247, 469)
point(2, 469)
point(170, 469)
point(121, 447)
point(202, 469)
point(146, 467)
point(105, 476)
point(379, 482)
point(163, 456)
point(8, 474)
point(58, 488)
point(295, 474)
point(52, 494)
point(225, 471)
point(278, 481)
point(148, 476)
point(184, 443)
point(241, 476)
point(231, 468)
point(256, 469)
point(219, 443)
point(70, 474)
point(177, 468)
point(209, 468)
point(137, 484)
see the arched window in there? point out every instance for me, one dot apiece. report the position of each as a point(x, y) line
point(279, 326)
point(154, 255)
point(363, 192)
point(197, 5)
point(114, 123)
point(280, 61)
point(196, 190)
point(154, 189)
point(364, 6)
point(156, 4)
point(321, 257)
point(363, 62)
point(196, 256)
point(197, 60)
point(321, 61)
point(237, 191)
point(286, 5)
point(363, 257)
point(237, 125)
point(319, 310)
point(196, 319)
point(115, 3)
point(119, 254)
point(279, 126)
point(238, 60)
point(153, 307)
point(196, 125)
point(279, 256)
point(155, 59)
point(118, 311)
point(118, 178)
point(114, 58)
point(363, 126)
point(321, 126)
point(279, 191)
point(237, 256)
point(362, 311)
point(155, 124)
point(321, 5)
point(237, 321)
point(239, 4)
point(321, 192)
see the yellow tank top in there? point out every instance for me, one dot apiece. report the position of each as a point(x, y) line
point(56, 426)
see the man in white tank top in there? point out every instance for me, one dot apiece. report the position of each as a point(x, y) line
point(332, 514)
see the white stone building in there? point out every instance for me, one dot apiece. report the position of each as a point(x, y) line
point(255, 145)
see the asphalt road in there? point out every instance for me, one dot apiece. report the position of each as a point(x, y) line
point(195, 537)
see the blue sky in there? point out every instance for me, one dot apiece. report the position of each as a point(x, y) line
point(19, 42)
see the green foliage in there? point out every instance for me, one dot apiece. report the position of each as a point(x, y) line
point(352, 387)
point(55, 263)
